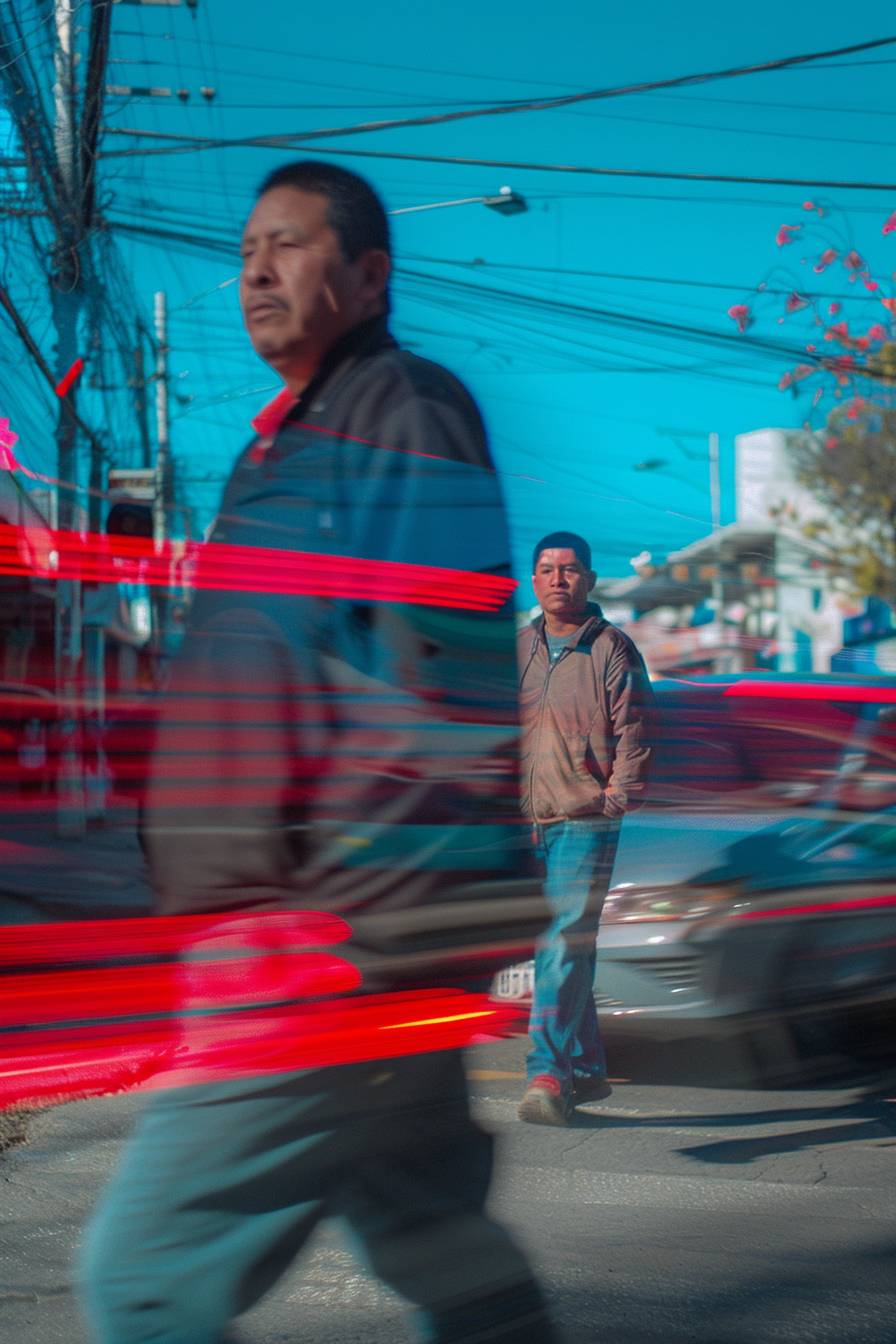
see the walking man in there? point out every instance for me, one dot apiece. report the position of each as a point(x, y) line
point(321, 750)
point(585, 705)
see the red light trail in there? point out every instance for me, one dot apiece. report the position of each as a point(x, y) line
point(96, 558)
point(260, 997)
point(821, 908)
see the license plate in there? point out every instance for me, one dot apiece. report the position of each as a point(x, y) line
point(516, 982)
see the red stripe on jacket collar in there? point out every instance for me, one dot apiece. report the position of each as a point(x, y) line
point(271, 417)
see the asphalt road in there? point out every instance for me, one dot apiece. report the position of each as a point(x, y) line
point(668, 1213)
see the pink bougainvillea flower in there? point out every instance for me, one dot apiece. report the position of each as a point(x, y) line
point(740, 313)
point(838, 332)
point(830, 254)
point(811, 348)
point(870, 285)
point(794, 302)
point(794, 376)
point(878, 332)
point(7, 438)
point(890, 305)
point(830, 443)
point(853, 262)
point(834, 308)
point(782, 237)
point(890, 226)
point(808, 205)
point(861, 342)
point(856, 406)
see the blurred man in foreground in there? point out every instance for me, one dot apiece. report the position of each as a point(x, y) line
point(585, 703)
point(339, 737)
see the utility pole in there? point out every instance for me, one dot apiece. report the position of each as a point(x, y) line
point(141, 404)
point(62, 158)
point(162, 497)
point(715, 496)
point(66, 295)
point(163, 446)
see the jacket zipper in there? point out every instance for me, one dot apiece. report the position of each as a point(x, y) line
point(541, 705)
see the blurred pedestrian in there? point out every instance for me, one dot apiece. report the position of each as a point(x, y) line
point(586, 709)
point(340, 736)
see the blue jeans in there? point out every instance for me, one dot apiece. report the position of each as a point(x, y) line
point(578, 861)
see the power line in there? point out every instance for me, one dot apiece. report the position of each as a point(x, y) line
point(689, 282)
point(651, 174)
point(530, 105)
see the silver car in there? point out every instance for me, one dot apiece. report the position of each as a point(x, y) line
point(783, 934)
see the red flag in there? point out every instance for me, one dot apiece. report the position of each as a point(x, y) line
point(65, 384)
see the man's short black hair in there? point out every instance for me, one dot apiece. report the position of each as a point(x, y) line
point(355, 213)
point(563, 541)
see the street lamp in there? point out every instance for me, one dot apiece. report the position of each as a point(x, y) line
point(658, 463)
point(506, 202)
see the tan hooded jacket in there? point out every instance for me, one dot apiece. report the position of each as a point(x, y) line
point(588, 722)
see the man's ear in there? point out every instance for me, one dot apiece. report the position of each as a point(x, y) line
point(377, 267)
point(591, 576)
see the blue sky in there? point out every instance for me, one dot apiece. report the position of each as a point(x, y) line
point(573, 401)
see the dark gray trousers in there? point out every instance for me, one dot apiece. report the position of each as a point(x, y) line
point(220, 1186)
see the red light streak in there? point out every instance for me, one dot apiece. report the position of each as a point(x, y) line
point(48, 996)
point(372, 443)
point(243, 1020)
point(220, 566)
point(177, 1052)
point(783, 690)
point(821, 907)
point(166, 935)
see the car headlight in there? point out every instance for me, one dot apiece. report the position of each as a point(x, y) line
point(643, 905)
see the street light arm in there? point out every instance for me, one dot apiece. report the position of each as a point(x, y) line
point(505, 202)
point(438, 205)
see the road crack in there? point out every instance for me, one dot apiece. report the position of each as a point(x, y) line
point(576, 1143)
point(823, 1171)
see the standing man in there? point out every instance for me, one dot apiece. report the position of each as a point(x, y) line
point(585, 704)
point(339, 737)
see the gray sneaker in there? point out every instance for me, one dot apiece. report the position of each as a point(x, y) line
point(545, 1102)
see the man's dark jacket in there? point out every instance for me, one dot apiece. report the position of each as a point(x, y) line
point(330, 741)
